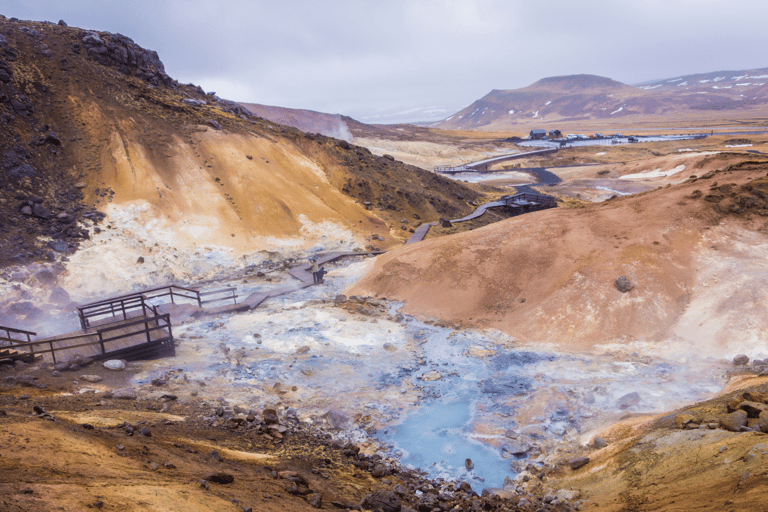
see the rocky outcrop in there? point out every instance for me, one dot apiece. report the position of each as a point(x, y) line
point(119, 51)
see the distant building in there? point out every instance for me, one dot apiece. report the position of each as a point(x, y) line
point(538, 134)
point(555, 134)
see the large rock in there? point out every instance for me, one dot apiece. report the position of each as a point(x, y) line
point(19, 172)
point(515, 448)
point(59, 296)
point(41, 212)
point(734, 421)
point(115, 364)
point(623, 284)
point(578, 462)
point(753, 408)
point(628, 400)
point(5, 72)
point(387, 501)
point(683, 419)
point(124, 394)
point(741, 360)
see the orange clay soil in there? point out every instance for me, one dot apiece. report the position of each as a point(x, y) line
point(549, 276)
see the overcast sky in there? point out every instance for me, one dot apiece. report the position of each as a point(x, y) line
point(368, 58)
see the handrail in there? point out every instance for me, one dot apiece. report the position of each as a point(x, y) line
point(161, 322)
point(144, 293)
point(9, 330)
point(122, 305)
point(229, 291)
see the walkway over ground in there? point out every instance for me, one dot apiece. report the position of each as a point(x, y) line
point(521, 203)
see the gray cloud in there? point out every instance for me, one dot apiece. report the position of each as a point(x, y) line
point(361, 58)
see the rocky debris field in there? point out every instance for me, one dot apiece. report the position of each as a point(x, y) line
point(142, 447)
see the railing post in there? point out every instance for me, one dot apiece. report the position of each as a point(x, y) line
point(122, 304)
point(146, 326)
point(101, 342)
point(53, 352)
point(171, 290)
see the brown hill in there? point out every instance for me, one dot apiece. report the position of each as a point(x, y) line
point(308, 121)
point(586, 99)
point(548, 277)
point(91, 121)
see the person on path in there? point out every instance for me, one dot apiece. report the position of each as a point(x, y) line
point(320, 274)
point(315, 271)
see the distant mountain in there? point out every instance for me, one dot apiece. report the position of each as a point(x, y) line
point(591, 97)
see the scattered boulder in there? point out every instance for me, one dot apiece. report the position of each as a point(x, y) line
point(515, 449)
point(91, 378)
point(220, 478)
point(734, 421)
point(753, 409)
point(598, 443)
point(385, 500)
point(215, 124)
point(740, 360)
point(445, 223)
point(315, 500)
point(683, 419)
point(59, 296)
point(270, 416)
point(115, 365)
point(578, 462)
point(431, 376)
point(628, 400)
point(623, 284)
point(124, 394)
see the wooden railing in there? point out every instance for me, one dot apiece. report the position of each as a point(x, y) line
point(9, 331)
point(226, 294)
point(541, 199)
point(119, 307)
point(103, 336)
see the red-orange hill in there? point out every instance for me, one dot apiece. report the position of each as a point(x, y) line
point(549, 276)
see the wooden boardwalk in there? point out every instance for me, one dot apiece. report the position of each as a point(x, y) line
point(137, 337)
point(524, 202)
point(304, 274)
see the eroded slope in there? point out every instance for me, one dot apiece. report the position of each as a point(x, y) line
point(548, 277)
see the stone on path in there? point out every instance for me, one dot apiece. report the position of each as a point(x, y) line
point(91, 378)
point(115, 364)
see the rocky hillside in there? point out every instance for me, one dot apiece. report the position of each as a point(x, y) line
point(590, 98)
point(93, 126)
